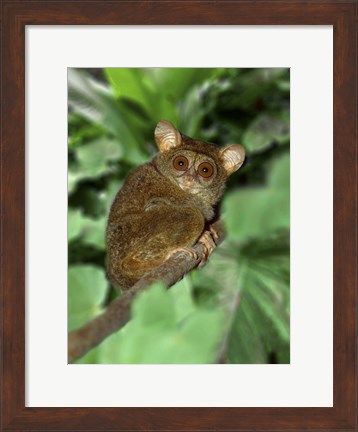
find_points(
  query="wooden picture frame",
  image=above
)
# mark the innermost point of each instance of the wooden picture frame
(342, 15)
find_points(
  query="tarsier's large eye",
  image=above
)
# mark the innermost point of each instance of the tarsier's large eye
(205, 169)
(180, 163)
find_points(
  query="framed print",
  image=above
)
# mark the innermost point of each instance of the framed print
(185, 97)
(57, 53)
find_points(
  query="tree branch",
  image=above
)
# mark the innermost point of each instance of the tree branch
(118, 312)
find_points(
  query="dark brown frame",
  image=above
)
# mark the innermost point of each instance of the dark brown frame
(15, 16)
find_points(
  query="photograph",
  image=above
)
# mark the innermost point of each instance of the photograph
(179, 215)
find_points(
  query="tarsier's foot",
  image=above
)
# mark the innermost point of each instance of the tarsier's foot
(207, 239)
(187, 250)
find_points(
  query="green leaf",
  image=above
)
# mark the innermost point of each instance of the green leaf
(93, 157)
(176, 82)
(157, 335)
(73, 178)
(110, 193)
(191, 112)
(245, 343)
(261, 328)
(166, 109)
(149, 92)
(80, 130)
(91, 100)
(91, 200)
(259, 270)
(89, 231)
(218, 282)
(208, 341)
(245, 93)
(87, 287)
(182, 299)
(96, 103)
(94, 160)
(279, 176)
(131, 83)
(256, 211)
(74, 224)
(265, 130)
(94, 232)
(283, 84)
(154, 307)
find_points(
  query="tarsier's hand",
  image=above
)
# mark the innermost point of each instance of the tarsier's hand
(209, 239)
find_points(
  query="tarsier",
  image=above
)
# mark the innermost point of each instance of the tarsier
(168, 205)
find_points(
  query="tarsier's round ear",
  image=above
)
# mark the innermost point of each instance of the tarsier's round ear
(233, 157)
(166, 136)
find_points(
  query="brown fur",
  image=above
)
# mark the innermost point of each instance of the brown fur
(152, 215)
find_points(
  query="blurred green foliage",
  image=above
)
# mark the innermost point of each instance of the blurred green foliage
(236, 309)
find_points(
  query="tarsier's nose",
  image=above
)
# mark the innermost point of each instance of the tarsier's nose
(189, 179)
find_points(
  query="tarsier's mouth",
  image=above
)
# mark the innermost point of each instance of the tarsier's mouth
(187, 181)
(189, 187)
